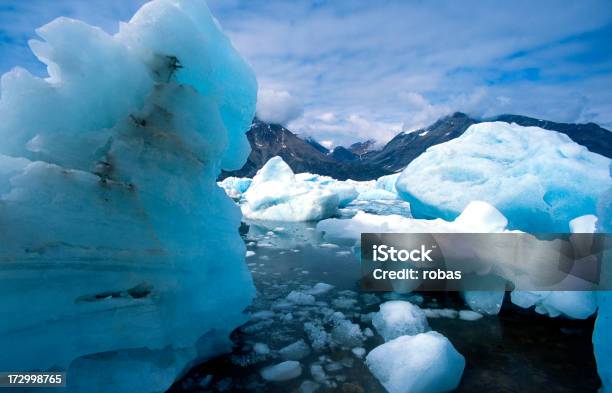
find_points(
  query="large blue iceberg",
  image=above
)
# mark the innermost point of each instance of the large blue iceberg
(538, 179)
(120, 258)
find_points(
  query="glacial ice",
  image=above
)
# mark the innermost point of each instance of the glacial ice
(476, 217)
(387, 183)
(573, 304)
(425, 363)
(275, 194)
(583, 224)
(121, 241)
(234, 187)
(376, 194)
(399, 318)
(538, 179)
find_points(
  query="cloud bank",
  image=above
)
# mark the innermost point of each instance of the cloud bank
(366, 69)
(277, 106)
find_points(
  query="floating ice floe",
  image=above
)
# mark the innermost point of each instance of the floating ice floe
(469, 315)
(399, 318)
(295, 351)
(424, 363)
(573, 304)
(539, 179)
(485, 302)
(108, 179)
(282, 372)
(476, 217)
(275, 194)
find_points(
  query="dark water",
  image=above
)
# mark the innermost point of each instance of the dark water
(515, 351)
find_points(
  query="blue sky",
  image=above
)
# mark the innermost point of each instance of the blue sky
(348, 70)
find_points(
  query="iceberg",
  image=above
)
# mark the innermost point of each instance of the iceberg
(120, 240)
(276, 194)
(424, 363)
(538, 179)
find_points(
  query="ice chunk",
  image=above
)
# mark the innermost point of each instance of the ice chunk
(234, 187)
(583, 224)
(425, 363)
(320, 288)
(485, 302)
(528, 173)
(301, 298)
(347, 334)
(469, 315)
(261, 349)
(282, 371)
(318, 373)
(346, 193)
(376, 194)
(359, 352)
(387, 183)
(574, 304)
(296, 351)
(318, 337)
(275, 194)
(398, 318)
(110, 191)
(441, 313)
(309, 387)
(477, 217)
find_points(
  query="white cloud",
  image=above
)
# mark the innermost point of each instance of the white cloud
(278, 107)
(421, 113)
(327, 144)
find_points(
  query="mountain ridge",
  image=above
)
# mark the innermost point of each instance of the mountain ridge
(359, 162)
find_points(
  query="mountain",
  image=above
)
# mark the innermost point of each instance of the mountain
(361, 148)
(269, 140)
(359, 162)
(312, 142)
(407, 146)
(341, 153)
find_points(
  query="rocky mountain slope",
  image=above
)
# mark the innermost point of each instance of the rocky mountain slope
(360, 162)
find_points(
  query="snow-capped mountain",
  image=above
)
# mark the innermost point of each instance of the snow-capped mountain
(360, 162)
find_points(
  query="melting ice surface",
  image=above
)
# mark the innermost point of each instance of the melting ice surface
(120, 241)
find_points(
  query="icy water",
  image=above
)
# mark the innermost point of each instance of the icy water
(515, 351)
